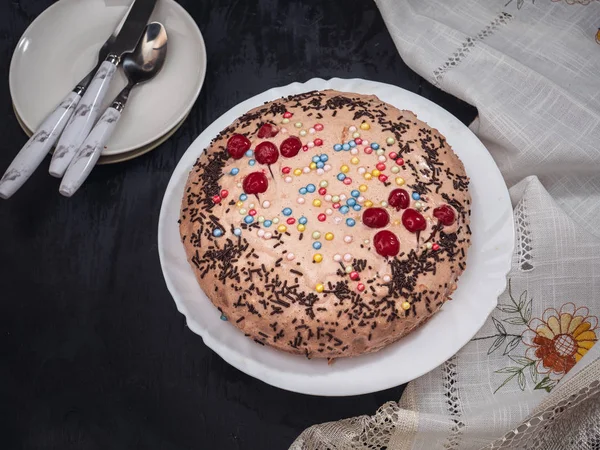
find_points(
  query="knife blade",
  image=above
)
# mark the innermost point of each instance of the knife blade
(82, 121)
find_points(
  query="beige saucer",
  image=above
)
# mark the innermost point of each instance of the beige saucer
(112, 159)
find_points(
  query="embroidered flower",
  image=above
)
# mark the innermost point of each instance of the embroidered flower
(560, 338)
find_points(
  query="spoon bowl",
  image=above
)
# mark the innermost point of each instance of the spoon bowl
(148, 58)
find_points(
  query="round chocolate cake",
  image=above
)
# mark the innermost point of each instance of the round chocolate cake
(327, 224)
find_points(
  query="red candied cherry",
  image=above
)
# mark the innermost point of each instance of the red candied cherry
(255, 183)
(375, 217)
(237, 145)
(386, 243)
(267, 130)
(399, 199)
(445, 214)
(266, 153)
(413, 221)
(290, 147)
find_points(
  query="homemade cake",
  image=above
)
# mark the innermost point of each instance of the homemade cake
(327, 224)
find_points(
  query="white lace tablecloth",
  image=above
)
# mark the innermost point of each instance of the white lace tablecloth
(531, 376)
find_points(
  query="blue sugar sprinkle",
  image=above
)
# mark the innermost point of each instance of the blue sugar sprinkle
(375, 146)
(316, 245)
(252, 162)
(350, 222)
(243, 197)
(344, 209)
(311, 188)
(357, 207)
(346, 147)
(320, 165)
(237, 231)
(351, 202)
(302, 220)
(234, 171)
(416, 196)
(355, 193)
(249, 153)
(341, 176)
(302, 191)
(267, 223)
(287, 211)
(217, 232)
(337, 147)
(248, 219)
(324, 157)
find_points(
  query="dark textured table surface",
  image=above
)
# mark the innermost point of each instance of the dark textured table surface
(94, 352)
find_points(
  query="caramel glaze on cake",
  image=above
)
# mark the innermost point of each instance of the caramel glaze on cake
(314, 279)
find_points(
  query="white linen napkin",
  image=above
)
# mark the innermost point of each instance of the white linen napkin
(531, 376)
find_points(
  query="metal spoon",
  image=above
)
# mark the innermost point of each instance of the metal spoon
(139, 66)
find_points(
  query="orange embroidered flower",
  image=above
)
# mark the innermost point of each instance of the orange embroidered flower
(560, 338)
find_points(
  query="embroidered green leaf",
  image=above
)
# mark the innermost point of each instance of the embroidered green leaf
(509, 309)
(515, 321)
(522, 299)
(524, 361)
(533, 372)
(527, 313)
(512, 345)
(514, 369)
(497, 343)
(499, 326)
(521, 380)
(547, 384)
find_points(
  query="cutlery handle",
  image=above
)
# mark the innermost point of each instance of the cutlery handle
(83, 119)
(91, 149)
(38, 145)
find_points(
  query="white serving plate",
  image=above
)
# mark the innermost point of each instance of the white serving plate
(488, 262)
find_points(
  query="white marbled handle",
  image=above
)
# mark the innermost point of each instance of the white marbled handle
(82, 120)
(38, 146)
(87, 156)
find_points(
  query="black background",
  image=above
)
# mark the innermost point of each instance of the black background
(94, 353)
